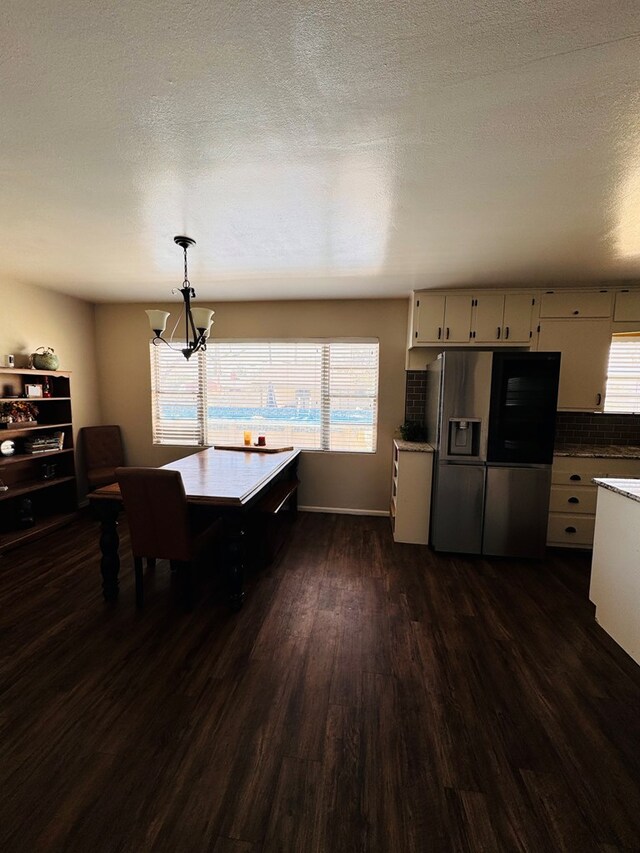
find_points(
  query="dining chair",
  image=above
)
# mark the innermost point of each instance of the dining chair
(102, 452)
(161, 525)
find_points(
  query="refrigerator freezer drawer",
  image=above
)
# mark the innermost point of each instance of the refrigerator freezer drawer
(516, 511)
(457, 510)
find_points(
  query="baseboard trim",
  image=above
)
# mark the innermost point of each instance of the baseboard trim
(343, 510)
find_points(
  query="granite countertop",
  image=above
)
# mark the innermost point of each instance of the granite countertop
(625, 486)
(413, 446)
(598, 451)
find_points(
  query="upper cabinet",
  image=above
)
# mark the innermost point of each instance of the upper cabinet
(568, 303)
(627, 306)
(473, 318)
(441, 319)
(584, 345)
(503, 318)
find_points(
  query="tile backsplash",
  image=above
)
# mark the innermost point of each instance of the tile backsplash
(586, 428)
(571, 427)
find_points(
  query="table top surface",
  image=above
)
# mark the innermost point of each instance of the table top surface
(221, 477)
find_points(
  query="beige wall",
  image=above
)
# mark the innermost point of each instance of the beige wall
(32, 317)
(329, 480)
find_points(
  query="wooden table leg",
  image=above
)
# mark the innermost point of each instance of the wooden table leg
(234, 546)
(109, 541)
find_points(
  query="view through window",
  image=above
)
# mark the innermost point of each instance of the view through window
(316, 395)
(623, 374)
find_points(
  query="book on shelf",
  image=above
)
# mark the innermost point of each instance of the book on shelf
(44, 443)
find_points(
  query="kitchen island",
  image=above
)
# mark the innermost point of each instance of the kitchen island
(615, 568)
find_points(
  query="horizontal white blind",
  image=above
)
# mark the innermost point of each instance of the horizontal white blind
(623, 375)
(176, 397)
(316, 395)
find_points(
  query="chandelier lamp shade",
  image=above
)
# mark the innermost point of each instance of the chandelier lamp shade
(197, 321)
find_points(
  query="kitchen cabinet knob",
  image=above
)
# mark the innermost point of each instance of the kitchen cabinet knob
(439, 332)
(575, 477)
(598, 399)
(576, 312)
(447, 333)
(506, 333)
(569, 530)
(573, 500)
(498, 334)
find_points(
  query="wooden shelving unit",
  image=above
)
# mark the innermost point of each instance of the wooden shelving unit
(47, 479)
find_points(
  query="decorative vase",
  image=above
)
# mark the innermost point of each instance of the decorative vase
(45, 360)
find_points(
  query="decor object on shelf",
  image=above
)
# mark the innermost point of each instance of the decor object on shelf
(25, 513)
(7, 448)
(198, 321)
(45, 360)
(13, 412)
(34, 390)
(9, 360)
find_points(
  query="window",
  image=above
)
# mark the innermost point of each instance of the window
(623, 374)
(316, 395)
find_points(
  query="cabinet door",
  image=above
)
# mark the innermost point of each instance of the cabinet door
(487, 318)
(627, 306)
(457, 319)
(518, 317)
(584, 345)
(428, 319)
(575, 304)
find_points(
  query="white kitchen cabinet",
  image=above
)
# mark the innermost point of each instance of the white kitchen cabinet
(572, 505)
(441, 319)
(428, 318)
(572, 303)
(627, 308)
(584, 345)
(411, 492)
(615, 580)
(503, 318)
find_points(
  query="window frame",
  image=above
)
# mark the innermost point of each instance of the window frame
(201, 362)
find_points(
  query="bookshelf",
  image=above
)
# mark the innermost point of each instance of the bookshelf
(40, 475)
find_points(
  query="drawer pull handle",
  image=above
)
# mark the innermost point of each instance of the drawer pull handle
(575, 477)
(569, 530)
(573, 500)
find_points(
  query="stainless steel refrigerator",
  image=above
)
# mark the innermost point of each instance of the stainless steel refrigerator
(491, 418)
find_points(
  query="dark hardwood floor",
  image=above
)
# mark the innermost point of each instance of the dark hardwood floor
(369, 697)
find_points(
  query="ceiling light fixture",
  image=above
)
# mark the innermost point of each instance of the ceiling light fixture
(198, 321)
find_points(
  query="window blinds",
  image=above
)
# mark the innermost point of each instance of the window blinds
(316, 395)
(623, 375)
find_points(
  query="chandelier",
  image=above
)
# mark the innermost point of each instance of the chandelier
(198, 321)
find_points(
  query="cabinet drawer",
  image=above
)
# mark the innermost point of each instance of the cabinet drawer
(565, 529)
(574, 500)
(576, 470)
(573, 304)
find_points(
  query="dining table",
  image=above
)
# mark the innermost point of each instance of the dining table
(226, 482)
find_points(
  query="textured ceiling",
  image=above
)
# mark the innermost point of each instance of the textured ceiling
(336, 148)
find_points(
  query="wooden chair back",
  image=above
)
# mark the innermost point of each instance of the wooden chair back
(156, 507)
(103, 452)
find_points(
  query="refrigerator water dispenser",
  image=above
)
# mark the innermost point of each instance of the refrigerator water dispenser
(464, 436)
